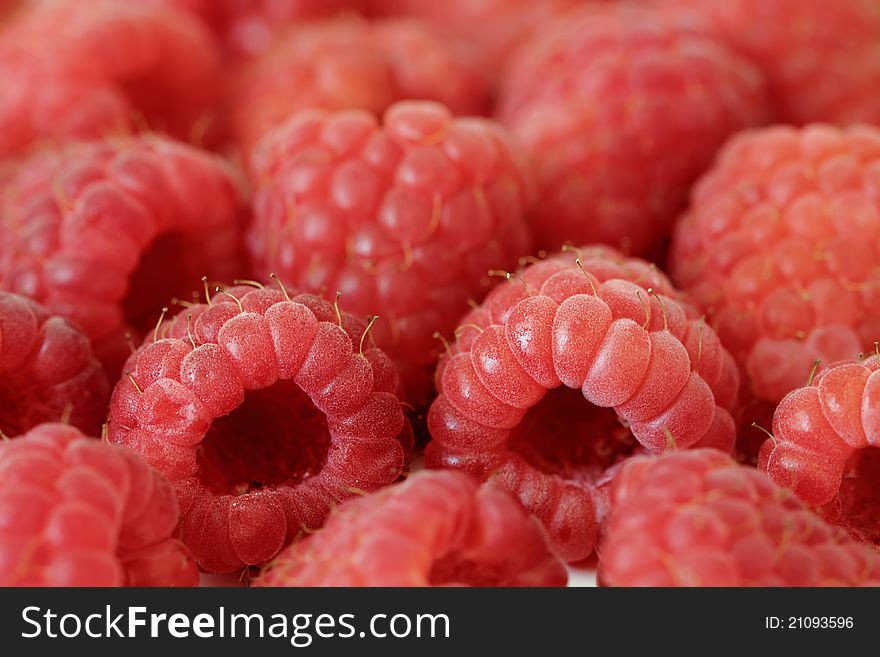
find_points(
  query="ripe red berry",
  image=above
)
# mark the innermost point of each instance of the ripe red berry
(47, 370)
(495, 27)
(821, 59)
(780, 249)
(353, 64)
(75, 70)
(78, 512)
(621, 108)
(105, 233)
(826, 446)
(249, 27)
(639, 370)
(404, 219)
(696, 518)
(436, 529)
(263, 411)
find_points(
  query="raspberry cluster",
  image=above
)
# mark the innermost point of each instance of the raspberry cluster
(436, 529)
(640, 371)
(48, 372)
(349, 63)
(404, 219)
(636, 105)
(109, 67)
(473, 377)
(105, 233)
(264, 410)
(697, 518)
(77, 512)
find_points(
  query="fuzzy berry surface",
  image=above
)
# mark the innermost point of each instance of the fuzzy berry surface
(264, 409)
(826, 446)
(47, 370)
(350, 63)
(405, 219)
(696, 518)
(578, 362)
(821, 59)
(75, 70)
(779, 248)
(621, 108)
(75, 511)
(105, 233)
(435, 529)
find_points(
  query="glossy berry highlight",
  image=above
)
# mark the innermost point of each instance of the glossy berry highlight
(641, 372)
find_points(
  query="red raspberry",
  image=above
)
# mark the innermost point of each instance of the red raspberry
(104, 233)
(249, 27)
(263, 412)
(353, 64)
(639, 369)
(404, 219)
(821, 59)
(696, 518)
(826, 446)
(495, 27)
(436, 529)
(47, 370)
(86, 70)
(780, 248)
(621, 109)
(78, 512)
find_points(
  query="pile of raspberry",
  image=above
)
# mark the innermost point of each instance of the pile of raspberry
(408, 293)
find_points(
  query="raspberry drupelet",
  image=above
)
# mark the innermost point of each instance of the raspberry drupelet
(105, 233)
(264, 410)
(621, 108)
(74, 70)
(353, 64)
(640, 372)
(77, 512)
(47, 371)
(780, 249)
(405, 219)
(696, 518)
(435, 529)
(826, 446)
(821, 59)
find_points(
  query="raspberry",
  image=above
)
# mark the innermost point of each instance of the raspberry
(826, 446)
(78, 512)
(86, 70)
(696, 518)
(495, 27)
(780, 248)
(436, 529)
(640, 373)
(249, 27)
(263, 411)
(47, 370)
(621, 109)
(353, 64)
(404, 219)
(104, 233)
(821, 59)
